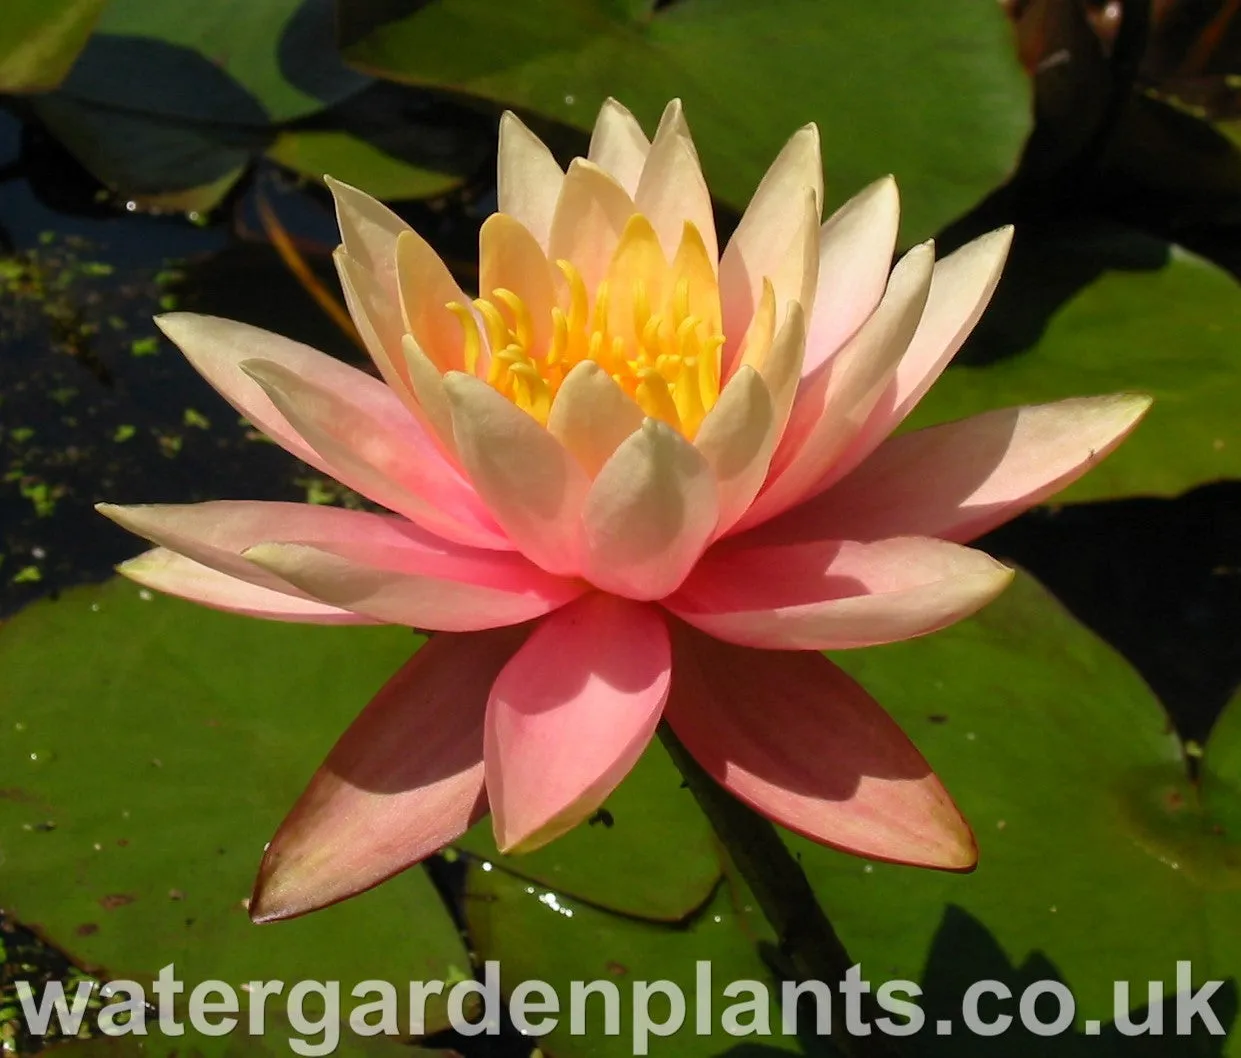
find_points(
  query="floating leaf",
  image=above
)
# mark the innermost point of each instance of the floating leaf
(40, 39)
(1105, 309)
(649, 853)
(536, 935)
(931, 92)
(149, 749)
(1094, 854)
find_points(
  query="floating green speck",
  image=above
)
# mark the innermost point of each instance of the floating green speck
(144, 346)
(41, 495)
(28, 575)
(21, 434)
(196, 419)
(124, 432)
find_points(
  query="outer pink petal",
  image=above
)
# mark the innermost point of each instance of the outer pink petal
(959, 480)
(403, 781)
(649, 514)
(856, 244)
(215, 534)
(217, 349)
(793, 736)
(392, 460)
(960, 290)
(571, 714)
(833, 404)
(835, 594)
(166, 571)
(451, 590)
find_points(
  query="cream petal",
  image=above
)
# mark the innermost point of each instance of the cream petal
(591, 214)
(618, 145)
(649, 514)
(773, 222)
(673, 190)
(533, 486)
(591, 416)
(736, 439)
(528, 179)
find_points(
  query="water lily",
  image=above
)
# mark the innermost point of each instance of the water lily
(635, 479)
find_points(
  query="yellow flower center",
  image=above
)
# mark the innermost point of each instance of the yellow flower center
(654, 327)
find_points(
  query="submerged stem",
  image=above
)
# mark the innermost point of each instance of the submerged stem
(805, 935)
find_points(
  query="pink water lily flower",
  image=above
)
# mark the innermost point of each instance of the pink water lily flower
(634, 479)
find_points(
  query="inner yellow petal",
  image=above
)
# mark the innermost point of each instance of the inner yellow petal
(654, 326)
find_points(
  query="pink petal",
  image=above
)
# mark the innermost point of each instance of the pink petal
(961, 479)
(832, 405)
(216, 348)
(794, 737)
(649, 514)
(835, 594)
(531, 483)
(856, 244)
(390, 460)
(571, 714)
(166, 571)
(618, 145)
(403, 781)
(960, 290)
(529, 179)
(453, 589)
(215, 534)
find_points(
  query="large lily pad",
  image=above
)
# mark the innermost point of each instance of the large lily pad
(168, 103)
(39, 40)
(621, 860)
(931, 92)
(149, 748)
(1103, 309)
(1096, 859)
(537, 935)
(1221, 768)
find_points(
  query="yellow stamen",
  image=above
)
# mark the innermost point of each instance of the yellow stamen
(653, 326)
(473, 340)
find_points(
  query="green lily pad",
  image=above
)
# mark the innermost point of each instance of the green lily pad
(621, 860)
(1103, 309)
(1221, 768)
(931, 92)
(537, 935)
(169, 103)
(148, 750)
(354, 160)
(40, 39)
(1095, 855)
